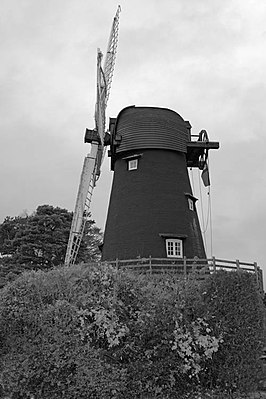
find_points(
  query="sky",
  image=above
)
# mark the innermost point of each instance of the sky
(205, 59)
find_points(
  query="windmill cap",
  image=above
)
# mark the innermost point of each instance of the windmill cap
(151, 128)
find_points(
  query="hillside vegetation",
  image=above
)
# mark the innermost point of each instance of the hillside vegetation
(95, 332)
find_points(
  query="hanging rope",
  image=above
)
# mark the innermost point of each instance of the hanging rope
(205, 227)
(210, 211)
(211, 238)
(202, 212)
(208, 222)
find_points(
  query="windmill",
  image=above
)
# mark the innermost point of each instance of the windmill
(93, 161)
(152, 210)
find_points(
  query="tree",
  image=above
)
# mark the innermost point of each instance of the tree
(39, 240)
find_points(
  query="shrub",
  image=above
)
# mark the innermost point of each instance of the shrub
(95, 332)
(42, 349)
(234, 306)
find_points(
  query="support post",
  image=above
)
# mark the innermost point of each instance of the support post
(185, 266)
(256, 273)
(214, 264)
(237, 264)
(260, 276)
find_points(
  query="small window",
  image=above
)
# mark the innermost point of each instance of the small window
(174, 248)
(132, 164)
(191, 204)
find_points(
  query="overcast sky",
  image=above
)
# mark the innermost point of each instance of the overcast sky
(205, 59)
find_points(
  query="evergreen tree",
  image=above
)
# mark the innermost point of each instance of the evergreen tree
(39, 241)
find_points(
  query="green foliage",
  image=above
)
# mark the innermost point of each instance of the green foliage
(39, 241)
(235, 307)
(43, 353)
(95, 332)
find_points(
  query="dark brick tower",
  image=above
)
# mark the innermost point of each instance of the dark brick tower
(152, 210)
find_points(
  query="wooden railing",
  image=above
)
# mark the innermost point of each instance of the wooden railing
(199, 267)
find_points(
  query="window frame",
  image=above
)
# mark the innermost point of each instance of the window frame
(191, 197)
(191, 204)
(174, 252)
(132, 164)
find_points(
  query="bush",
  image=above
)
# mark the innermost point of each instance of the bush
(235, 307)
(42, 349)
(95, 332)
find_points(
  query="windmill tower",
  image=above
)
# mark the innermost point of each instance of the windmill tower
(152, 210)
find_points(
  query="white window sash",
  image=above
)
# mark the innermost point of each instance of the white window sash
(132, 164)
(174, 248)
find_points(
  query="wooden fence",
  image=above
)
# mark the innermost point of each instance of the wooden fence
(199, 267)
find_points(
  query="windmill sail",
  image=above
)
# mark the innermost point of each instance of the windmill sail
(93, 161)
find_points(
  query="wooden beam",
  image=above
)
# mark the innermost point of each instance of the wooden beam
(204, 144)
